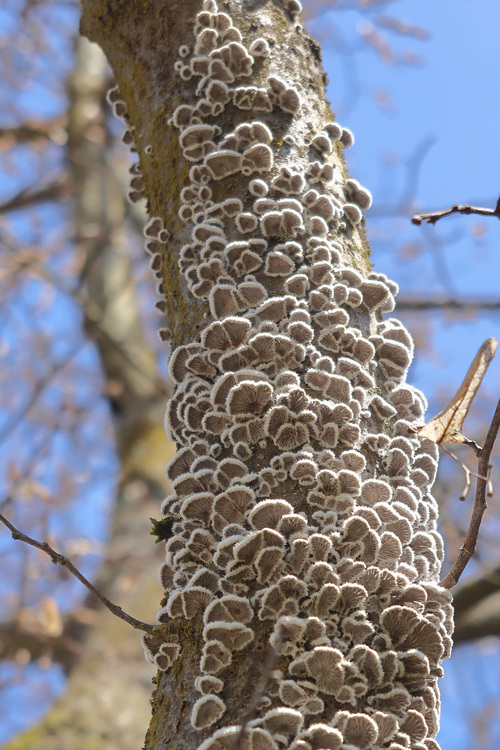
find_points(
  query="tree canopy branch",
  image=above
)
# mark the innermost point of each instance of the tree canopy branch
(25, 198)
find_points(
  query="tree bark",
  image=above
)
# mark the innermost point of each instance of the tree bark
(302, 607)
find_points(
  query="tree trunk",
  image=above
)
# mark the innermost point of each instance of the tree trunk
(302, 606)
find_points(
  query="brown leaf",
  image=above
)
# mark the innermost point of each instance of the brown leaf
(446, 426)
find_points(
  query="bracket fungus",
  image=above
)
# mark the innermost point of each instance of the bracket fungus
(301, 504)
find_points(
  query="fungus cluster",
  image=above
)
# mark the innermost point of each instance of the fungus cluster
(300, 496)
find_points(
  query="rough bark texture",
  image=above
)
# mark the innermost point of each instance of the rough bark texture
(304, 534)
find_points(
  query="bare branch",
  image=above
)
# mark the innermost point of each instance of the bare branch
(476, 607)
(63, 648)
(31, 130)
(483, 470)
(447, 303)
(24, 198)
(475, 590)
(476, 625)
(401, 27)
(432, 218)
(57, 558)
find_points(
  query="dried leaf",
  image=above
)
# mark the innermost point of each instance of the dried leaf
(446, 426)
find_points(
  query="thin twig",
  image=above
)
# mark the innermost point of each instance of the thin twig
(57, 558)
(482, 490)
(432, 218)
(468, 472)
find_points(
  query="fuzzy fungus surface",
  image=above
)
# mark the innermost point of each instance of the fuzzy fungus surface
(304, 527)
